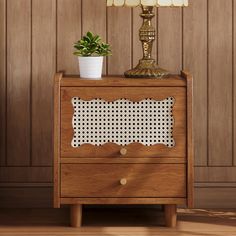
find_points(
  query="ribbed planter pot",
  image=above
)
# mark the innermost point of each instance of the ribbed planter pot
(90, 67)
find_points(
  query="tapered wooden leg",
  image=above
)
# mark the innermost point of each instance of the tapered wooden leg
(170, 215)
(76, 215)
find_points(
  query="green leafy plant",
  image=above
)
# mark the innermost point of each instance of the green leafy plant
(91, 45)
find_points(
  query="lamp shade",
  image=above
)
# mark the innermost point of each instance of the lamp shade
(157, 3)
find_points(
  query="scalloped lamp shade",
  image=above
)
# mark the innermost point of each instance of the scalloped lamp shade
(157, 3)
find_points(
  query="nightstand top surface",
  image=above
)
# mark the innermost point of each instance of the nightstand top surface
(119, 81)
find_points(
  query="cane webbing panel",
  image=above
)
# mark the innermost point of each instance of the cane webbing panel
(98, 122)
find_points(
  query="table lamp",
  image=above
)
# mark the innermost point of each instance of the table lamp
(147, 67)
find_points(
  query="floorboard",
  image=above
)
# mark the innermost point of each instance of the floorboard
(116, 222)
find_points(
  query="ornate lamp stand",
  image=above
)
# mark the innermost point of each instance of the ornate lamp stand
(147, 67)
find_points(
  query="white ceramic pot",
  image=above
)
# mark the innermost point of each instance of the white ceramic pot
(90, 67)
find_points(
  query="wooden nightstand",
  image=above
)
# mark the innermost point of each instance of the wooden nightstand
(123, 141)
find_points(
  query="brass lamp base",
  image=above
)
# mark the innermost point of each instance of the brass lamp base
(146, 69)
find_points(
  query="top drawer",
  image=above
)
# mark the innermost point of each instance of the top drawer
(123, 121)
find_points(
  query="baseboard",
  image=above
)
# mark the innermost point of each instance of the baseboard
(26, 197)
(215, 197)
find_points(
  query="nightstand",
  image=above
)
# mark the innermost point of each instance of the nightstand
(123, 141)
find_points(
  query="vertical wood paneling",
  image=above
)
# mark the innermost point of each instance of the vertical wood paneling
(2, 82)
(195, 60)
(69, 31)
(98, 12)
(137, 48)
(215, 174)
(119, 36)
(43, 49)
(25, 174)
(220, 83)
(18, 81)
(234, 78)
(170, 39)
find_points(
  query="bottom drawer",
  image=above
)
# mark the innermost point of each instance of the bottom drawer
(123, 180)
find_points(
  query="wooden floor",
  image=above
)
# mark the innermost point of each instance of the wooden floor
(117, 222)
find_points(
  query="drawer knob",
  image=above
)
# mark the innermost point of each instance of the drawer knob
(123, 151)
(123, 182)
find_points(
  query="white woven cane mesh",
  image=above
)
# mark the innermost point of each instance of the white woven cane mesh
(98, 122)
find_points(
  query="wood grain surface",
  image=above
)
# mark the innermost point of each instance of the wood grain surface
(56, 139)
(68, 32)
(117, 222)
(234, 84)
(195, 59)
(220, 70)
(98, 26)
(18, 82)
(43, 49)
(103, 180)
(119, 31)
(3, 82)
(170, 39)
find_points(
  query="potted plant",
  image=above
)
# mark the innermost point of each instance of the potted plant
(90, 51)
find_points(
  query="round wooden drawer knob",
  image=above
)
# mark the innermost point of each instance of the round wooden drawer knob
(123, 182)
(123, 151)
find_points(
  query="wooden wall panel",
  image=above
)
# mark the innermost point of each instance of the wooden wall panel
(25, 174)
(136, 44)
(37, 40)
(43, 49)
(68, 32)
(195, 60)
(25, 197)
(18, 82)
(98, 12)
(234, 79)
(220, 83)
(170, 39)
(119, 36)
(3, 82)
(214, 197)
(215, 174)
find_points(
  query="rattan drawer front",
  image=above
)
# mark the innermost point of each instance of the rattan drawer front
(147, 122)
